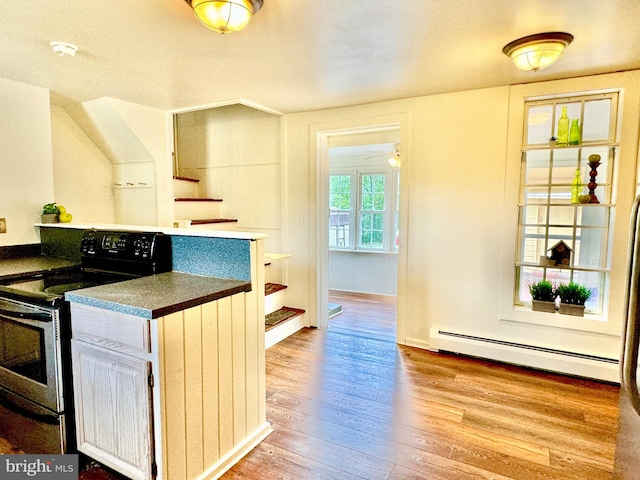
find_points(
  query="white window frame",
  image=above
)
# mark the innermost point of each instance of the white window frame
(390, 211)
(610, 146)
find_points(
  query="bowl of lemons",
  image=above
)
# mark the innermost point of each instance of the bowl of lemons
(65, 217)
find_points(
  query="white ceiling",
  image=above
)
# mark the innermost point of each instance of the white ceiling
(300, 55)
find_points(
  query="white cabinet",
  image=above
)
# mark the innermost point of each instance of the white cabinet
(176, 397)
(113, 409)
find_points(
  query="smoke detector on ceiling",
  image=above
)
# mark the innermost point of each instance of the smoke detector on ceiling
(64, 48)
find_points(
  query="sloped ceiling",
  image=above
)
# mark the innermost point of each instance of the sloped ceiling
(101, 122)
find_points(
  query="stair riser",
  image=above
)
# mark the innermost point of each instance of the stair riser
(282, 331)
(196, 210)
(274, 302)
(185, 189)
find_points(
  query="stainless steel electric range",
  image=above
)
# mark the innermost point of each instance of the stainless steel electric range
(36, 398)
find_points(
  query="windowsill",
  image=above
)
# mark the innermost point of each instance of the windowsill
(351, 250)
(588, 323)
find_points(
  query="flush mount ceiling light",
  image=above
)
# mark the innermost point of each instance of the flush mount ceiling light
(63, 48)
(538, 51)
(225, 16)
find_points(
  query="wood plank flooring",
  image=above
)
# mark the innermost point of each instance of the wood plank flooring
(348, 403)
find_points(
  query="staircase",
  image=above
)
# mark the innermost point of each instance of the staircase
(280, 320)
(193, 211)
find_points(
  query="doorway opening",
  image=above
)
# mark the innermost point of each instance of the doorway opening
(359, 187)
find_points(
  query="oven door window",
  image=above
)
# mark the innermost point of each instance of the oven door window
(30, 355)
(23, 350)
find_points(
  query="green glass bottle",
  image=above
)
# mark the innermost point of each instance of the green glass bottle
(563, 128)
(574, 133)
(576, 186)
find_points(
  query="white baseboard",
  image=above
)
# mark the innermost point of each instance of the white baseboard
(414, 342)
(235, 455)
(565, 362)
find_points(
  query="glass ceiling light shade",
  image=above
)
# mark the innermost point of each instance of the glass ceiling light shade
(538, 51)
(225, 16)
(395, 161)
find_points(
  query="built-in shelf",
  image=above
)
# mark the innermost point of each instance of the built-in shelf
(206, 221)
(589, 205)
(197, 199)
(187, 179)
(124, 186)
(270, 257)
(547, 146)
(562, 267)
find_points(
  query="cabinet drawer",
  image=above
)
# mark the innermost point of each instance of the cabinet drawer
(109, 329)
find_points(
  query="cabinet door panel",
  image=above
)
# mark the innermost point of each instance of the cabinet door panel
(113, 414)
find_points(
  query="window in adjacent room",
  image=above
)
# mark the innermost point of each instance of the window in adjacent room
(363, 210)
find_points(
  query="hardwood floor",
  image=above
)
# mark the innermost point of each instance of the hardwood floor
(348, 403)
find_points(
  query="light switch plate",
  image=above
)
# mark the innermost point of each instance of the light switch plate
(3, 225)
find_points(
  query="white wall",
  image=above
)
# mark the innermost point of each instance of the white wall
(138, 142)
(47, 156)
(462, 177)
(26, 182)
(363, 272)
(154, 130)
(82, 175)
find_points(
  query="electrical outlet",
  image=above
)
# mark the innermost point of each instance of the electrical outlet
(3, 225)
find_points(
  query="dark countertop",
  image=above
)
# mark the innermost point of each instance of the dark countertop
(158, 295)
(17, 267)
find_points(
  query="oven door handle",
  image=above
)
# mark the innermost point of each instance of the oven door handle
(9, 310)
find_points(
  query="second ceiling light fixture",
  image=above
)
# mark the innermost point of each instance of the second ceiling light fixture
(538, 51)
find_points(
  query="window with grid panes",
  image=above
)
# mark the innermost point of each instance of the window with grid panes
(340, 210)
(546, 214)
(372, 211)
(364, 210)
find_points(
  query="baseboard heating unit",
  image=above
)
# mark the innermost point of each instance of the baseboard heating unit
(553, 360)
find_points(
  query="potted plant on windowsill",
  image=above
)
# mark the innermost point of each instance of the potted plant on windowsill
(50, 213)
(543, 296)
(572, 298)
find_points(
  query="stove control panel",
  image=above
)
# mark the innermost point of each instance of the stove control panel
(136, 251)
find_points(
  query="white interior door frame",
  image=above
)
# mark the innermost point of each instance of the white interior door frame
(322, 135)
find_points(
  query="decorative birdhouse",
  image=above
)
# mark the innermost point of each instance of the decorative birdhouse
(561, 254)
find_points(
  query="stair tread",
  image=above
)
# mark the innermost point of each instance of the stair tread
(282, 315)
(186, 179)
(204, 221)
(270, 288)
(196, 199)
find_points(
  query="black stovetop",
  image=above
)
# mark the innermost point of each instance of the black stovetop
(48, 288)
(107, 256)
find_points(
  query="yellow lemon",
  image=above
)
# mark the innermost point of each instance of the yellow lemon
(61, 209)
(65, 217)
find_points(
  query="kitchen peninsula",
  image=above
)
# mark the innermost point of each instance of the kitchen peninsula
(168, 369)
